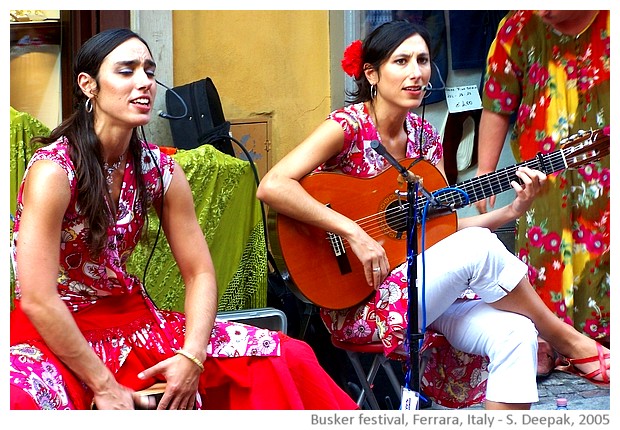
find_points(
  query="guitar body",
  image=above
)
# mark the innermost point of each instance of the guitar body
(338, 282)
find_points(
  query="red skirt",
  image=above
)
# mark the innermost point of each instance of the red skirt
(293, 380)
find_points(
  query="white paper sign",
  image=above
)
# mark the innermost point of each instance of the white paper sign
(461, 99)
(409, 399)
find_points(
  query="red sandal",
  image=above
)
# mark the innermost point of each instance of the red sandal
(603, 369)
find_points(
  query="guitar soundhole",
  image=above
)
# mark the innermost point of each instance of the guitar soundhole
(396, 219)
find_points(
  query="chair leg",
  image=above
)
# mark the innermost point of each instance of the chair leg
(387, 367)
(305, 322)
(365, 380)
(424, 359)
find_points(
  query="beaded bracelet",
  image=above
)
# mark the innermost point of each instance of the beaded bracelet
(191, 357)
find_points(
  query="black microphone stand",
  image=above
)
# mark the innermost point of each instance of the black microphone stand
(413, 182)
(412, 276)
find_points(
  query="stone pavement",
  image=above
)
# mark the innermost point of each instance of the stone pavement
(581, 394)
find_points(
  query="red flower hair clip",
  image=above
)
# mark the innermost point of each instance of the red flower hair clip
(352, 59)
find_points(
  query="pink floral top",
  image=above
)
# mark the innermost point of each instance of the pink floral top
(357, 157)
(83, 281)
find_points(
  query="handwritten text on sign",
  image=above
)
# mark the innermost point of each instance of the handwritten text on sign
(461, 99)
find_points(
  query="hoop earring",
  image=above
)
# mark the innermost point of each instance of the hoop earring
(427, 90)
(373, 91)
(88, 105)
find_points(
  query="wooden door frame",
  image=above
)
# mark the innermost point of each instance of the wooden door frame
(77, 26)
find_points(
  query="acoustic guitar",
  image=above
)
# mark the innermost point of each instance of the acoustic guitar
(321, 268)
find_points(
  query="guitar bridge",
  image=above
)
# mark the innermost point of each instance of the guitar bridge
(340, 253)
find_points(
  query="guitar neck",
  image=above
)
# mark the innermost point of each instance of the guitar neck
(490, 184)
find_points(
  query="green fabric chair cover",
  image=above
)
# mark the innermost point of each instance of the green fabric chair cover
(224, 192)
(228, 211)
(23, 128)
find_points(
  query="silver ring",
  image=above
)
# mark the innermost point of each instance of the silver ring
(376, 269)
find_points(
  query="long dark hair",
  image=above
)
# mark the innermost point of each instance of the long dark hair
(84, 145)
(379, 45)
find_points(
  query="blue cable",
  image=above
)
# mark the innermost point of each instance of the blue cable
(410, 235)
(423, 243)
(423, 256)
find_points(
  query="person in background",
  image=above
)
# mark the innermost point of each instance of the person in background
(392, 67)
(549, 70)
(83, 330)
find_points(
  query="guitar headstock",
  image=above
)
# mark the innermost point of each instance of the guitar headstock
(585, 146)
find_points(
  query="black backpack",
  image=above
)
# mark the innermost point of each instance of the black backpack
(204, 122)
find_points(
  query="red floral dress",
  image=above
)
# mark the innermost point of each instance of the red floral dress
(452, 378)
(127, 331)
(556, 85)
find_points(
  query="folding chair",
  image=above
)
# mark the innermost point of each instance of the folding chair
(380, 361)
(366, 380)
(269, 318)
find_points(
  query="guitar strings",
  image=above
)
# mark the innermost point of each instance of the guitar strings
(374, 225)
(557, 160)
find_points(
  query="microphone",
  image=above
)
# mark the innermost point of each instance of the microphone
(167, 115)
(429, 88)
(409, 176)
(380, 149)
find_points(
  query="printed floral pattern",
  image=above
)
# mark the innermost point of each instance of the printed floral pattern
(557, 85)
(83, 281)
(357, 158)
(39, 377)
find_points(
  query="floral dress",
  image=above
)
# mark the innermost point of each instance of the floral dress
(447, 378)
(111, 306)
(555, 85)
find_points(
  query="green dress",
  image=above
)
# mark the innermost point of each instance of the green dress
(555, 85)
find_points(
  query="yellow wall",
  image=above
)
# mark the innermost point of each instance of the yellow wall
(262, 62)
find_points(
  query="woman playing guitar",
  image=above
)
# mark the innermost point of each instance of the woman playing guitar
(392, 68)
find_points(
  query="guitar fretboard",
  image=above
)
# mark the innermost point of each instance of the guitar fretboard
(490, 184)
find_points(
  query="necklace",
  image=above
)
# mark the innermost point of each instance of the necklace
(109, 171)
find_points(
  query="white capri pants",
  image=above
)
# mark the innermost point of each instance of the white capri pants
(475, 258)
